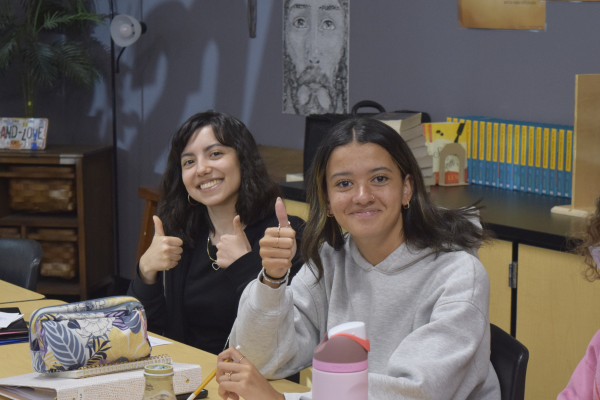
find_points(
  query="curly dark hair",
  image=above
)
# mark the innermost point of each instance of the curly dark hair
(257, 192)
(591, 237)
(425, 225)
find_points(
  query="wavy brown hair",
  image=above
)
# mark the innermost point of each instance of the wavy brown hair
(257, 192)
(425, 225)
(591, 237)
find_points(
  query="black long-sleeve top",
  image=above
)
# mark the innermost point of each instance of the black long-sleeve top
(198, 305)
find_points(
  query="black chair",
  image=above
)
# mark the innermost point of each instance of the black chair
(509, 358)
(20, 261)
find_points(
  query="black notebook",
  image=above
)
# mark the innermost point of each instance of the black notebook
(15, 332)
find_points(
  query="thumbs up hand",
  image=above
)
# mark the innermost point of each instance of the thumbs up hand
(278, 246)
(232, 247)
(164, 253)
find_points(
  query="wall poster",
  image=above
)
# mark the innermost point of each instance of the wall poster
(502, 14)
(315, 56)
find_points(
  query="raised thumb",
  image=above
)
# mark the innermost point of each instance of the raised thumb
(281, 213)
(158, 226)
(237, 225)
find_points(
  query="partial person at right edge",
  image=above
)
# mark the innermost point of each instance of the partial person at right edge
(585, 381)
(216, 202)
(406, 268)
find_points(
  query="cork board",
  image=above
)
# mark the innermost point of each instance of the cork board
(586, 166)
(502, 14)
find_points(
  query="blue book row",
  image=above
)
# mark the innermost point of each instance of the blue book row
(516, 155)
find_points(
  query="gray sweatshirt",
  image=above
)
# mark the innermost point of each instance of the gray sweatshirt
(427, 320)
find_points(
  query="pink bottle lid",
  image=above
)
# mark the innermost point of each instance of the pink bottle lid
(342, 353)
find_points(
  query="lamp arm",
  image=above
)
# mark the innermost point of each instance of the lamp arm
(118, 58)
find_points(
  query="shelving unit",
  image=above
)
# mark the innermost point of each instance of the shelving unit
(90, 170)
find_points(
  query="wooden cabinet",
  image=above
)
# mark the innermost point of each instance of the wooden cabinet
(88, 170)
(557, 316)
(496, 258)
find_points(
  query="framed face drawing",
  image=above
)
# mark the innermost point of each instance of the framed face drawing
(315, 56)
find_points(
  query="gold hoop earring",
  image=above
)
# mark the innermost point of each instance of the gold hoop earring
(329, 215)
(190, 201)
(407, 206)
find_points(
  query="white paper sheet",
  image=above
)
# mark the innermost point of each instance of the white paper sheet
(8, 318)
(28, 393)
(156, 341)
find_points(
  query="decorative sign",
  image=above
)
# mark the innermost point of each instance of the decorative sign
(315, 56)
(437, 136)
(502, 14)
(23, 133)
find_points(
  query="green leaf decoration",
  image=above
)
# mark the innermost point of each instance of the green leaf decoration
(8, 45)
(28, 42)
(7, 13)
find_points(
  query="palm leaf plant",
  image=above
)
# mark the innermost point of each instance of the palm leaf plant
(42, 38)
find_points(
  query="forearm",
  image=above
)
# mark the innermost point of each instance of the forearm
(282, 326)
(263, 315)
(154, 302)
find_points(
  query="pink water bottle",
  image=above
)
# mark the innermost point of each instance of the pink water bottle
(340, 364)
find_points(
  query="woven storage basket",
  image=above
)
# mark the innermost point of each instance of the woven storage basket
(13, 233)
(42, 195)
(59, 259)
(60, 251)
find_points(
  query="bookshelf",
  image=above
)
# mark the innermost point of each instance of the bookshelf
(88, 225)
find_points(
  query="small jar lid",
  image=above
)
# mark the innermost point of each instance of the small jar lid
(158, 369)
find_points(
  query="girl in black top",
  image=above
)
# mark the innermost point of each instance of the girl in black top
(216, 202)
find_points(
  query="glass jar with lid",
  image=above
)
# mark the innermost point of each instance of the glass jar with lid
(159, 382)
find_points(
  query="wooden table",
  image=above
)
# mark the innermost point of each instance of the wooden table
(10, 293)
(180, 352)
(28, 307)
(20, 362)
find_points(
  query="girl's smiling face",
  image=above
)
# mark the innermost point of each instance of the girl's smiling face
(366, 191)
(210, 170)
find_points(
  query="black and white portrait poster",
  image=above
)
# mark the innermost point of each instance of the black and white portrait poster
(315, 56)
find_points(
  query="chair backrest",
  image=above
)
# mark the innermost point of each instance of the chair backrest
(509, 358)
(20, 261)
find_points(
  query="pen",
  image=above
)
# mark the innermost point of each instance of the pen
(208, 379)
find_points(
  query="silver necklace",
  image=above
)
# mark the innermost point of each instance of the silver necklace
(214, 262)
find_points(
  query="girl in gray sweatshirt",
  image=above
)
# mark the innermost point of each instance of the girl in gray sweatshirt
(377, 251)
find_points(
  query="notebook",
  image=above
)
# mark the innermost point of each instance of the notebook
(128, 385)
(87, 372)
(16, 332)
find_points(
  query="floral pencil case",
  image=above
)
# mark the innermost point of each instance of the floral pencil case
(88, 333)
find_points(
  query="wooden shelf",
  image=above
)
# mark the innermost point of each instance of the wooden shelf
(52, 238)
(88, 229)
(50, 285)
(62, 220)
(36, 175)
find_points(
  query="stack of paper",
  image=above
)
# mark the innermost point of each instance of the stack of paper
(119, 386)
(12, 326)
(409, 126)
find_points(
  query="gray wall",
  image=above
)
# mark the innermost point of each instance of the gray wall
(403, 54)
